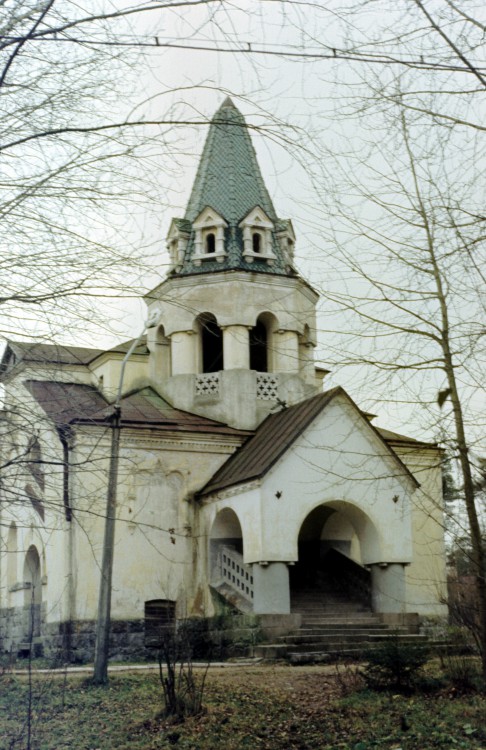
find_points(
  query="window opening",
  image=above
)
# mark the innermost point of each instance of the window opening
(210, 243)
(159, 619)
(35, 462)
(259, 348)
(256, 242)
(36, 502)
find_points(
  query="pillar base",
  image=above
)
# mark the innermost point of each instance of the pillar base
(388, 588)
(271, 592)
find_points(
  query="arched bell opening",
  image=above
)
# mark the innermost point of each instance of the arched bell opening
(211, 344)
(330, 557)
(32, 593)
(261, 343)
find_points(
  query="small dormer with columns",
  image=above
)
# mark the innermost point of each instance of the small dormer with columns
(209, 240)
(177, 237)
(286, 240)
(257, 237)
(237, 323)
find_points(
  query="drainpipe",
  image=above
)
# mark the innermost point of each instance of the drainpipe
(65, 434)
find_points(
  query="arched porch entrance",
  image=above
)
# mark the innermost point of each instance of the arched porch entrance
(32, 594)
(330, 559)
(228, 573)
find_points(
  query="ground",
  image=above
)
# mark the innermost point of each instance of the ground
(268, 707)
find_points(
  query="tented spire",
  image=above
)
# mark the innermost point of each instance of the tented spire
(230, 222)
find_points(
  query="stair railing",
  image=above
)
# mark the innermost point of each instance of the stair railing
(235, 573)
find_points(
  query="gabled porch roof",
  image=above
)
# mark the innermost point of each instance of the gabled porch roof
(275, 435)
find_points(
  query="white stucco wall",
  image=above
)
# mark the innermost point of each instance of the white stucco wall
(48, 535)
(338, 461)
(155, 527)
(236, 298)
(426, 576)
(106, 372)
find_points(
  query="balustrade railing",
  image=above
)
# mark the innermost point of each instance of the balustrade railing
(267, 386)
(235, 573)
(207, 384)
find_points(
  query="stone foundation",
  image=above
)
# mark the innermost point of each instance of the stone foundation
(21, 630)
(75, 641)
(218, 637)
(69, 641)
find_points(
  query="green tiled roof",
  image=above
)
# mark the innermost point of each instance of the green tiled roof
(228, 178)
(229, 181)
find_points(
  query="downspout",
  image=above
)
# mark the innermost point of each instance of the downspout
(65, 435)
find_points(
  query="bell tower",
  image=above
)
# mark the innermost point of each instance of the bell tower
(237, 323)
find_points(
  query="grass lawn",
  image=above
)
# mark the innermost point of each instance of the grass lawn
(267, 707)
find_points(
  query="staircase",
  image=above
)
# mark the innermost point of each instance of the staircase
(333, 628)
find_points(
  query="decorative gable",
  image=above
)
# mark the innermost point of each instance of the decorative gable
(177, 239)
(286, 240)
(209, 229)
(257, 236)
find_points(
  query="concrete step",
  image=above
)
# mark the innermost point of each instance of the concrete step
(356, 654)
(341, 616)
(309, 651)
(333, 636)
(319, 657)
(342, 629)
(331, 608)
(337, 622)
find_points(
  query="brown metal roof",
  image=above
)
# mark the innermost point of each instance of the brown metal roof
(52, 353)
(274, 436)
(74, 403)
(395, 437)
(57, 354)
(66, 402)
(276, 433)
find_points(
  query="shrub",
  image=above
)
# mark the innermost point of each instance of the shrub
(395, 664)
(182, 690)
(349, 679)
(459, 661)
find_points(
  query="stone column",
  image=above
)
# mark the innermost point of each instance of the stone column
(271, 591)
(388, 588)
(285, 345)
(307, 366)
(159, 361)
(236, 348)
(183, 352)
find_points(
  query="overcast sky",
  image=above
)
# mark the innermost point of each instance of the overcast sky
(318, 84)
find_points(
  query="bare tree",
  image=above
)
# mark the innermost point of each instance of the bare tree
(75, 161)
(409, 259)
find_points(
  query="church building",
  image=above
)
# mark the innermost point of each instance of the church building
(241, 479)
